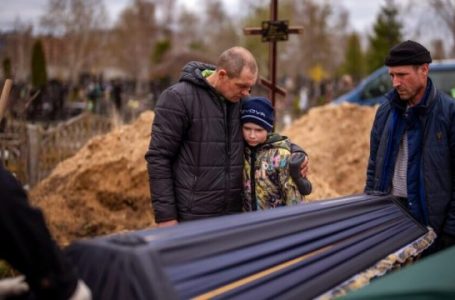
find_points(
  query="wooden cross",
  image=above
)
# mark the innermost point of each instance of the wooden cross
(273, 31)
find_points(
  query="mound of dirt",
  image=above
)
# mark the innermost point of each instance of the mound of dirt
(337, 140)
(104, 187)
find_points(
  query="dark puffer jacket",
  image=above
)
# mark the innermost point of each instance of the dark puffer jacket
(26, 244)
(195, 154)
(436, 164)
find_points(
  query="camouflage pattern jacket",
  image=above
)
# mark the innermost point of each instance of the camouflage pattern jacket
(266, 179)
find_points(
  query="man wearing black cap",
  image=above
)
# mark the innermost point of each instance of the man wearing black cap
(412, 146)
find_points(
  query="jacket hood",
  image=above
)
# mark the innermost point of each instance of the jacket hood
(276, 138)
(192, 72)
(276, 141)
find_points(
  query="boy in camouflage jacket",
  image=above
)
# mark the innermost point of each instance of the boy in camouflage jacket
(267, 167)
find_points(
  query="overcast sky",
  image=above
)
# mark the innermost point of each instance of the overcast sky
(362, 12)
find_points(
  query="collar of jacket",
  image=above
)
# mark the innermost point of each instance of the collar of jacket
(192, 72)
(195, 72)
(422, 108)
(272, 138)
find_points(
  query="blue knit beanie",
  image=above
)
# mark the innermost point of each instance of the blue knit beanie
(257, 110)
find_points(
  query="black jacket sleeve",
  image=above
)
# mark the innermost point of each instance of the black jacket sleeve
(168, 130)
(297, 149)
(302, 183)
(26, 244)
(374, 145)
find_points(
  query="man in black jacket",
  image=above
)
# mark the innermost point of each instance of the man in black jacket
(195, 155)
(27, 245)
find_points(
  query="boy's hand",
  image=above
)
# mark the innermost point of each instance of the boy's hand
(167, 224)
(305, 167)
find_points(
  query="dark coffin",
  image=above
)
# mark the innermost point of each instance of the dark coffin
(294, 252)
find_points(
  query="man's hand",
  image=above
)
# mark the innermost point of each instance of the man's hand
(167, 224)
(82, 292)
(14, 286)
(305, 167)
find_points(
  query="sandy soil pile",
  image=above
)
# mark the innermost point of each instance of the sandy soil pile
(104, 187)
(337, 140)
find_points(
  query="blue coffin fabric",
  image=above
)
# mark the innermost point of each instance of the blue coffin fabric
(294, 252)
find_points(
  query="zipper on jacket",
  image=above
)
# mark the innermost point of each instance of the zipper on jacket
(254, 205)
(228, 155)
(228, 132)
(423, 189)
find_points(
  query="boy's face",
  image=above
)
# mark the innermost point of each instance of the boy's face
(254, 134)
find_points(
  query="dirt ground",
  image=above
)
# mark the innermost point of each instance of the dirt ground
(104, 187)
(337, 140)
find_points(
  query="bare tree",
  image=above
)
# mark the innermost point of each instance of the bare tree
(135, 35)
(315, 54)
(438, 49)
(432, 20)
(18, 48)
(167, 10)
(78, 23)
(188, 34)
(445, 9)
(219, 29)
(323, 28)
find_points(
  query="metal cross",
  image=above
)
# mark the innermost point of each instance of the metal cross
(273, 31)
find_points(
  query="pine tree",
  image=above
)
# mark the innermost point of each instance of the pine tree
(161, 48)
(354, 63)
(39, 74)
(386, 34)
(7, 70)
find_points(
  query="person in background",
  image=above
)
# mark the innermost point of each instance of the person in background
(412, 147)
(26, 244)
(195, 156)
(345, 85)
(267, 181)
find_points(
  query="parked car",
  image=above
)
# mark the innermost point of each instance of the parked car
(372, 89)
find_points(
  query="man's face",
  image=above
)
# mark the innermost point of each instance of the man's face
(235, 88)
(409, 82)
(254, 134)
